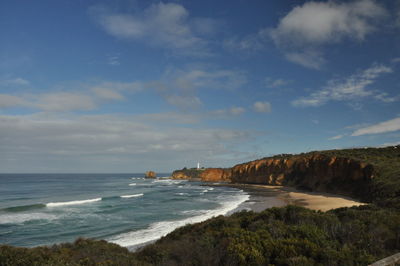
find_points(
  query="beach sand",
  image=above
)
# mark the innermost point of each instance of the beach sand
(264, 196)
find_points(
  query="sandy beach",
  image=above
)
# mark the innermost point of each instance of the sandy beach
(264, 196)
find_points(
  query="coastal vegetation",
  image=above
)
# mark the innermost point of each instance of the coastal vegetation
(278, 236)
(384, 188)
(188, 173)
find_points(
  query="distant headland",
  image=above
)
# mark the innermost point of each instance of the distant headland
(288, 235)
(367, 174)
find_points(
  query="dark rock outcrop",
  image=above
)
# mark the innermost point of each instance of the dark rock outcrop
(191, 173)
(150, 174)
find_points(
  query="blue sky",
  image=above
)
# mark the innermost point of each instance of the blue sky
(129, 86)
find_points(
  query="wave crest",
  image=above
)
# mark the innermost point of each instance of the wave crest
(132, 196)
(135, 239)
(74, 202)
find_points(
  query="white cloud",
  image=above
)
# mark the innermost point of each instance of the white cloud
(113, 60)
(226, 113)
(396, 60)
(206, 26)
(336, 137)
(262, 107)
(310, 58)
(184, 101)
(354, 87)
(237, 110)
(384, 97)
(130, 87)
(249, 43)
(169, 118)
(326, 22)
(7, 100)
(106, 93)
(15, 81)
(167, 25)
(106, 143)
(63, 101)
(383, 127)
(306, 28)
(179, 86)
(54, 102)
(275, 83)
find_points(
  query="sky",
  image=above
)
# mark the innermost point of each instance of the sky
(127, 86)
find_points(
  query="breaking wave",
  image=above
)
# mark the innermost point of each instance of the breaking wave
(74, 202)
(132, 196)
(135, 239)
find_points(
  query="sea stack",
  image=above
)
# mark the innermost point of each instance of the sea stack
(150, 174)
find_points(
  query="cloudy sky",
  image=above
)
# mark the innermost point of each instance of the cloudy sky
(129, 86)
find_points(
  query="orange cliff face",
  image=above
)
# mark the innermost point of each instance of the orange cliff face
(314, 172)
(179, 175)
(216, 175)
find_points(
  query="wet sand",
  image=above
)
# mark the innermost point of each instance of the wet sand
(264, 196)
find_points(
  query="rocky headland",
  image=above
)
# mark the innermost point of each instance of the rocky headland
(315, 172)
(342, 172)
(289, 235)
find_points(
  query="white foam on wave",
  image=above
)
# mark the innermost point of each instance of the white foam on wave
(132, 184)
(132, 196)
(74, 202)
(182, 194)
(162, 181)
(209, 189)
(168, 181)
(20, 218)
(157, 230)
(194, 212)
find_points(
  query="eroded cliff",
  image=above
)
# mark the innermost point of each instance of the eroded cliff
(191, 173)
(216, 175)
(316, 172)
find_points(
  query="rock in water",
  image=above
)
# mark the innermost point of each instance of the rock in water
(150, 174)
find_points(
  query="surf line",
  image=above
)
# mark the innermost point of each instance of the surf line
(74, 202)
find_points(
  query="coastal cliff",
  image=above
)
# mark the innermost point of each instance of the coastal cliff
(185, 173)
(288, 235)
(208, 174)
(311, 171)
(316, 172)
(368, 174)
(216, 175)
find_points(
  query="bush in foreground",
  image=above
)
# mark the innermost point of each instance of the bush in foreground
(278, 236)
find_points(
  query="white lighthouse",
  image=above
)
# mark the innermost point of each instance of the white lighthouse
(198, 165)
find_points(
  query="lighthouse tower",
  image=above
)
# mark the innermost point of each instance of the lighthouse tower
(198, 165)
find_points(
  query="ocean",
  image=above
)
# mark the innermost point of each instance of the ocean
(126, 209)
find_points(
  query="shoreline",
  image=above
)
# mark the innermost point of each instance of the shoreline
(266, 196)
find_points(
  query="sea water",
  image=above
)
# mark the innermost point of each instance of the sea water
(126, 209)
